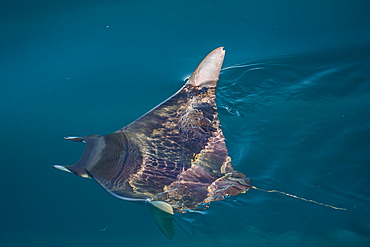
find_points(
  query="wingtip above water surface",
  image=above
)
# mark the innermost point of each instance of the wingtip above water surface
(208, 71)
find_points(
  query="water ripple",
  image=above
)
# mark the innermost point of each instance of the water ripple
(299, 124)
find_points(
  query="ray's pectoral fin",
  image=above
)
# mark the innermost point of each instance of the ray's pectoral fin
(162, 213)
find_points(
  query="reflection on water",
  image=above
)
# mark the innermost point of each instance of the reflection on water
(298, 124)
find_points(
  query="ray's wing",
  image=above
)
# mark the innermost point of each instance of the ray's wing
(173, 134)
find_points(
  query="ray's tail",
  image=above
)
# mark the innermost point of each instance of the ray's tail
(300, 198)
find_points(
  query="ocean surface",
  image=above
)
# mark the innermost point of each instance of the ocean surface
(293, 100)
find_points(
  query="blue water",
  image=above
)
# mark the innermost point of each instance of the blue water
(293, 99)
